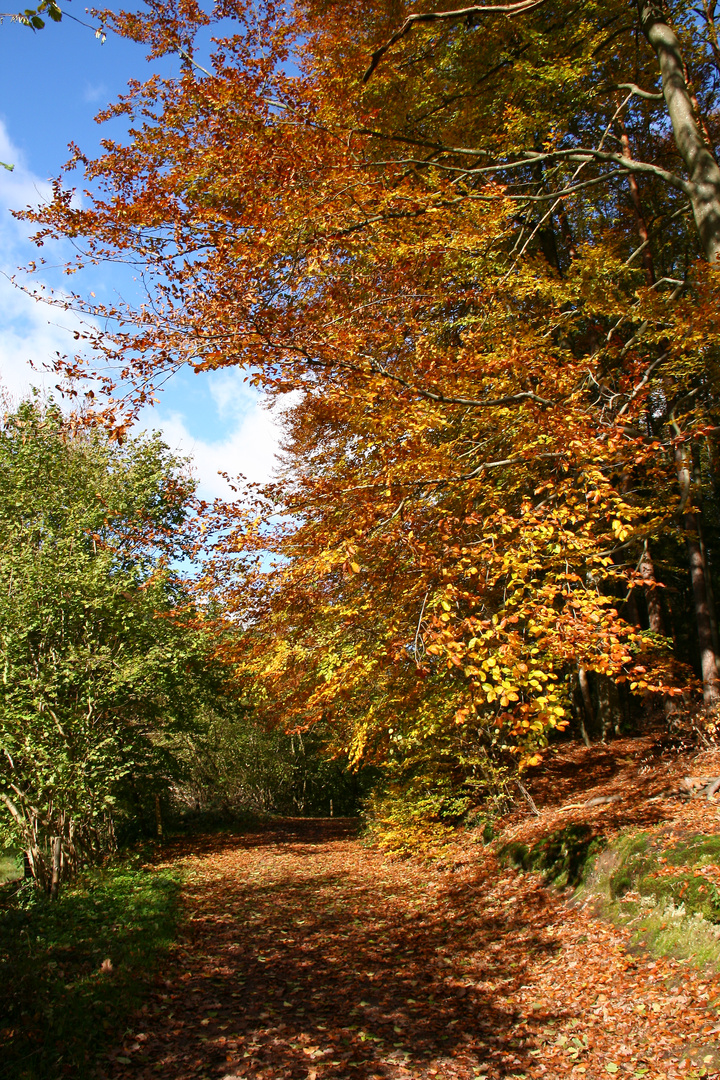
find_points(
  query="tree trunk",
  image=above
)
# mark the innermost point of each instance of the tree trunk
(587, 704)
(56, 866)
(697, 482)
(703, 170)
(640, 222)
(609, 709)
(698, 578)
(708, 663)
(652, 599)
(158, 820)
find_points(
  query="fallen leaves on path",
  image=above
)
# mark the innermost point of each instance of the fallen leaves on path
(305, 955)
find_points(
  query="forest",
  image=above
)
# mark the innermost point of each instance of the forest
(469, 257)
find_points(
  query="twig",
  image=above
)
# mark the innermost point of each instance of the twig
(417, 632)
(527, 796)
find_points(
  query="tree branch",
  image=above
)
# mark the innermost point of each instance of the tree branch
(449, 16)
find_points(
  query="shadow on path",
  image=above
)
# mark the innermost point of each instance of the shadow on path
(306, 956)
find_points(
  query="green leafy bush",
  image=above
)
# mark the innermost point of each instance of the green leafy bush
(97, 680)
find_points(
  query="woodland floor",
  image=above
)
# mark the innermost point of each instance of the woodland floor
(306, 955)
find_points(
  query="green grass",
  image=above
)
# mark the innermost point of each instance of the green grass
(58, 1010)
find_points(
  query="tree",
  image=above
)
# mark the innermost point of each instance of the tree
(486, 277)
(98, 681)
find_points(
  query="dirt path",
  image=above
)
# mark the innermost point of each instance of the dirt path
(307, 956)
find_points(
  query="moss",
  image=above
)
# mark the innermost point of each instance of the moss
(695, 851)
(562, 857)
(694, 892)
(675, 914)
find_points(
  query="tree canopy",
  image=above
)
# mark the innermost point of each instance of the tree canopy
(479, 246)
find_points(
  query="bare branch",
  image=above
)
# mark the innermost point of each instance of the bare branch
(637, 92)
(643, 382)
(449, 16)
(417, 632)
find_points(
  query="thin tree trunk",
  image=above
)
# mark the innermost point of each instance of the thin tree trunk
(708, 661)
(56, 866)
(696, 108)
(697, 480)
(712, 31)
(158, 820)
(654, 607)
(640, 222)
(587, 703)
(632, 612)
(567, 234)
(703, 170)
(698, 578)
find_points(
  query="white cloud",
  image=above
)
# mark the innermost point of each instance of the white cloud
(30, 331)
(95, 92)
(248, 448)
(18, 188)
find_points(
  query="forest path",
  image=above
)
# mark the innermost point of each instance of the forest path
(307, 956)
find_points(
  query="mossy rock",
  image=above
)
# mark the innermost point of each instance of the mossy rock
(639, 859)
(562, 857)
(675, 914)
(695, 851)
(693, 891)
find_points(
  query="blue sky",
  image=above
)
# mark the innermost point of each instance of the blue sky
(52, 83)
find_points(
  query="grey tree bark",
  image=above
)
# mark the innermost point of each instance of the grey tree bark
(703, 170)
(587, 704)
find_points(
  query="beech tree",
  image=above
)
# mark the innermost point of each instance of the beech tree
(479, 244)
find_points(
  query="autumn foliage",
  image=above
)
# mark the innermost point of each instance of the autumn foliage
(478, 286)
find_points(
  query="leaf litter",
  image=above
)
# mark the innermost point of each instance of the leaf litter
(307, 955)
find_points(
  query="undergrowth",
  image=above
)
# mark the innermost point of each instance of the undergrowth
(10, 866)
(420, 806)
(414, 818)
(74, 969)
